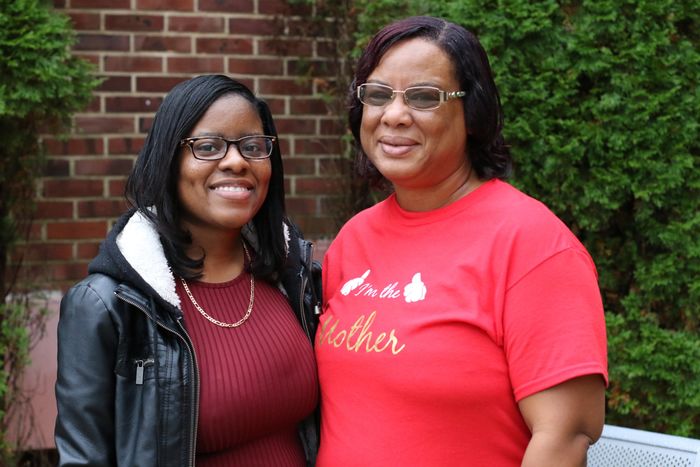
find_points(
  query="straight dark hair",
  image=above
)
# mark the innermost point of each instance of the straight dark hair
(487, 150)
(152, 185)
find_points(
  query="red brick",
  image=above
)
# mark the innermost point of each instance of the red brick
(296, 206)
(102, 42)
(227, 6)
(317, 225)
(158, 83)
(210, 24)
(255, 66)
(315, 186)
(72, 188)
(116, 187)
(103, 166)
(303, 126)
(56, 168)
(304, 146)
(145, 124)
(333, 126)
(87, 250)
(277, 105)
(335, 166)
(54, 210)
(285, 47)
(284, 146)
(85, 21)
(131, 22)
(120, 146)
(133, 63)
(315, 68)
(101, 208)
(308, 106)
(254, 27)
(93, 105)
(72, 271)
(75, 230)
(132, 104)
(195, 65)
(299, 166)
(223, 45)
(116, 83)
(162, 44)
(101, 4)
(75, 146)
(90, 58)
(101, 125)
(286, 86)
(169, 5)
(283, 7)
(326, 49)
(47, 252)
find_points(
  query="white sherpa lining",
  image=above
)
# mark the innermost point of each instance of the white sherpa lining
(140, 245)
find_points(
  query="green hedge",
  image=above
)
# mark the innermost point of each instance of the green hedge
(602, 111)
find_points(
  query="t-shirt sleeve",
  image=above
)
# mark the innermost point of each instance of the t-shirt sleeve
(554, 324)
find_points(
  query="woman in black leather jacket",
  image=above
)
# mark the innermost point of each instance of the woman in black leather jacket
(190, 339)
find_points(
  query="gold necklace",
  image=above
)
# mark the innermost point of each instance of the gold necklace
(216, 321)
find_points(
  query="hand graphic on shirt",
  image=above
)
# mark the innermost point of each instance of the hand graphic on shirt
(352, 284)
(415, 291)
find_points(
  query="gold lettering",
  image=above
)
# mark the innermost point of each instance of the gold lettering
(361, 327)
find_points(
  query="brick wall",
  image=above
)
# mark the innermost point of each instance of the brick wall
(142, 48)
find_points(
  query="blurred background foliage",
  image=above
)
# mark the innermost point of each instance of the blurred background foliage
(41, 85)
(602, 112)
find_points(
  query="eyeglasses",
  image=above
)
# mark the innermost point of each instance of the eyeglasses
(416, 97)
(213, 148)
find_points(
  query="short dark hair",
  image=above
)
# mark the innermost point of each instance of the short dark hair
(487, 151)
(152, 184)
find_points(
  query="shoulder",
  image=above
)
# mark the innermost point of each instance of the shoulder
(95, 292)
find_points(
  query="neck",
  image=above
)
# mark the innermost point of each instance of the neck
(224, 258)
(421, 199)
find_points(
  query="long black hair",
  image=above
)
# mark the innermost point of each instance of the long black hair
(487, 151)
(152, 185)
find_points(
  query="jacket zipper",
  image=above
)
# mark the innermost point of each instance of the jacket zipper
(140, 364)
(195, 390)
(194, 417)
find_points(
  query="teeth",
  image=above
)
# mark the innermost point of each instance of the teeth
(231, 188)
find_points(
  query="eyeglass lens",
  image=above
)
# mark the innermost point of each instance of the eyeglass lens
(252, 147)
(417, 97)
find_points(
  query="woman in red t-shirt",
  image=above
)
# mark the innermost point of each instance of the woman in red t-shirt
(462, 320)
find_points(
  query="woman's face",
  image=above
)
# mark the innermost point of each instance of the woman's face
(416, 149)
(223, 194)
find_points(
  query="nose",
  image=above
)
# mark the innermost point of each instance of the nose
(233, 160)
(397, 112)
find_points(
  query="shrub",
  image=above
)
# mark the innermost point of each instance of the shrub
(41, 86)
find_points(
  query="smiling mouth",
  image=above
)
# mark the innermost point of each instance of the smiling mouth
(231, 188)
(395, 149)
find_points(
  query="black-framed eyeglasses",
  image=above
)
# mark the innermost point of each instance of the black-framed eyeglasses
(213, 148)
(416, 97)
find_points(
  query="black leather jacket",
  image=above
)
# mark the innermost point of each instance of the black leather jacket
(128, 384)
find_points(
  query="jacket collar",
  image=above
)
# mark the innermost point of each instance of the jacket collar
(140, 245)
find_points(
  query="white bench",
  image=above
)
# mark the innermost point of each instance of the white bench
(627, 447)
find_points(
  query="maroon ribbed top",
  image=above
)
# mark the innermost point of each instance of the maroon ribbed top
(258, 381)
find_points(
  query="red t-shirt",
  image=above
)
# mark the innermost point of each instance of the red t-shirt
(437, 323)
